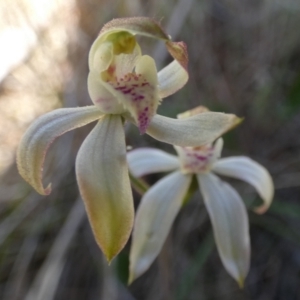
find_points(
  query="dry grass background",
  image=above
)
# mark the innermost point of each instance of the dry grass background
(244, 58)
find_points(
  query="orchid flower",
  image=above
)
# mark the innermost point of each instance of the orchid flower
(162, 202)
(123, 85)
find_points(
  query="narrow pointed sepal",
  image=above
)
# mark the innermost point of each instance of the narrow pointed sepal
(248, 170)
(193, 131)
(104, 184)
(144, 161)
(41, 133)
(229, 219)
(155, 215)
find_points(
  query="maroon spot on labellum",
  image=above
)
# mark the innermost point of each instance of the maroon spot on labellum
(120, 88)
(200, 157)
(127, 91)
(146, 109)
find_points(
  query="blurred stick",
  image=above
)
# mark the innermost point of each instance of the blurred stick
(189, 278)
(46, 281)
(17, 279)
(18, 215)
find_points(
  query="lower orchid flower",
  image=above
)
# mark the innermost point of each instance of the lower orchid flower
(123, 85)
(162, 202)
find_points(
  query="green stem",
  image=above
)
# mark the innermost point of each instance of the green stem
(139, 185)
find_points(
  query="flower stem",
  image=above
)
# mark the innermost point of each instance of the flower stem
(139, 185)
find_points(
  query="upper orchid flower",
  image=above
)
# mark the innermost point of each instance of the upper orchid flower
(123, 84)
(122, 80)
(161, 203)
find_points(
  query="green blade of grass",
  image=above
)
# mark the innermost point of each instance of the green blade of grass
(188, 280)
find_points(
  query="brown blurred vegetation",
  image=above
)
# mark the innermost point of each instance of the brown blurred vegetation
(244, 59)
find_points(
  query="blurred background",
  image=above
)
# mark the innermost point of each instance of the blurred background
(244, 59)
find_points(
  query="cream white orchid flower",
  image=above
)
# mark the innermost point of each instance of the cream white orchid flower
(124, 85)
(162, 202)
(122, 80)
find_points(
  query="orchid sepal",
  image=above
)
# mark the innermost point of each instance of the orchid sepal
(248, 170)
(193, 131)
(154, 218)
(39, 136)
(230, 224)
(103, 179)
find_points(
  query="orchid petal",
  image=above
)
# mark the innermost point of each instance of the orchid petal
(171, 79)
(144, 161)
(154, 218)
(174, 76)
(102, 97)
(102, 57)
(193, 131)
(244, 168)
(104, 184)
(229, 219)
(218, 147)
(41, 133)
